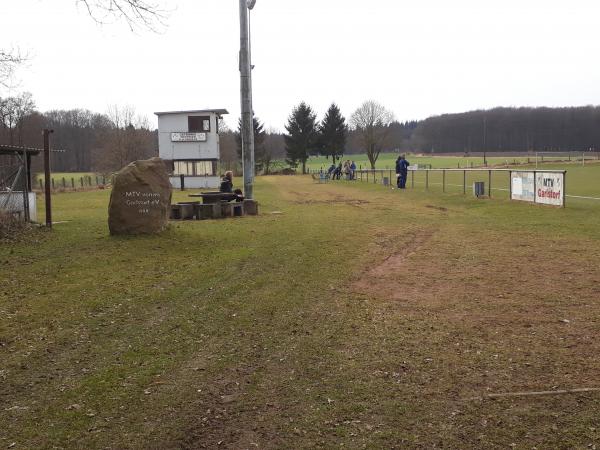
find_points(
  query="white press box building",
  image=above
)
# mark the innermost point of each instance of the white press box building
(188, 142)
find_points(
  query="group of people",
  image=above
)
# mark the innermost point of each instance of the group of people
(346, 169)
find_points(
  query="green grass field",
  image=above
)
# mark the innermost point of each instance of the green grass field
(388, 160)
(346, 314)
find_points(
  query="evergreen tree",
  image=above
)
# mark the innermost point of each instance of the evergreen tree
(301, 135)
(332, 133)
(259, 142)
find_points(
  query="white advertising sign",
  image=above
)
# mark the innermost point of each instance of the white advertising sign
(523, 186)
(549, 188)
(188, 137)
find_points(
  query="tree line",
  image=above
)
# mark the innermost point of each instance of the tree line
(372, 129)
(87, 141)
(106, 142)
(511, 129)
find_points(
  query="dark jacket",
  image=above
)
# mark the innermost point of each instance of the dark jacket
(226, 186)
(402, 166)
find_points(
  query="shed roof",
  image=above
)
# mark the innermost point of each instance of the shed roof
(17, 149)
(195, 111)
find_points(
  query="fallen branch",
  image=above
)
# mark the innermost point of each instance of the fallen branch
(534, 393)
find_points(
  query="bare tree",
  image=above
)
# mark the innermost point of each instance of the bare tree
(10, 59)
(12, 112)
(372, 121)
(134, 12)
(129, 138)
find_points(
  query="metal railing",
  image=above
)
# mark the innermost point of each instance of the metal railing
(387, 177)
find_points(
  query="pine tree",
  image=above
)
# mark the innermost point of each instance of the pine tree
(301, 135)
(332, 133)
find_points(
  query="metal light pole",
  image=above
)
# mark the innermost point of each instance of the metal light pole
(246, 99)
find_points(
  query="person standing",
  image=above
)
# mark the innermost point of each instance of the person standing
(352, 170)
(402, 171)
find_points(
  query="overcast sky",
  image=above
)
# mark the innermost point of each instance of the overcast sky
(418, 58)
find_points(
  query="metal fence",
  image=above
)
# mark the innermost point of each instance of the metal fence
(498, 180)
(75, 183)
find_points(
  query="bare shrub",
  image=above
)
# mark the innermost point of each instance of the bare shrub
(12, 228)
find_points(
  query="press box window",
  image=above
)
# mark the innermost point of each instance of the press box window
(195, 168)
(198, 124)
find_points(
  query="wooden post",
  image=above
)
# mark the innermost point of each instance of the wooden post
(41, 184)
(73, 183)
(81, 181)
(427, 179)
(48, 194)
(490, 184)
(64, 183)
(465, 182)
(443, 181)
(412, 177)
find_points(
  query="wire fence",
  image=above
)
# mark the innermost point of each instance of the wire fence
(456, 181)
(79, 183)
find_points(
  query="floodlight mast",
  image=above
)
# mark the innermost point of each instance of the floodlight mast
(246, 99)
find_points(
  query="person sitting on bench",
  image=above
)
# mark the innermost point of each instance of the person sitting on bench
(239, 195)
(227, 183)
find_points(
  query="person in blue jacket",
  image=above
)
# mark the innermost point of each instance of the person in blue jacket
(352, 170)
(402, 171)
(330, 171)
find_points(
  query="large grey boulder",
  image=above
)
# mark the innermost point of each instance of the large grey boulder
(140, 201)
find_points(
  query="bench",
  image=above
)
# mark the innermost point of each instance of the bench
(232, 209)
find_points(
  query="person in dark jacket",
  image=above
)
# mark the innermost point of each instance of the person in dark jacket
(330, 171)
(227, 183)
(402, 171)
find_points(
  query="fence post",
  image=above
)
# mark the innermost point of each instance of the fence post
(465, 182)
(182, 182)
(97, 180)
(565, 189)
(443, 181)
(510, 185)
(367, 176)
(81, 181)
(427, 179)
(73, 183)
(490, 184)
(412, 178)
(41, 185)
(52, 183)
(64, 183)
